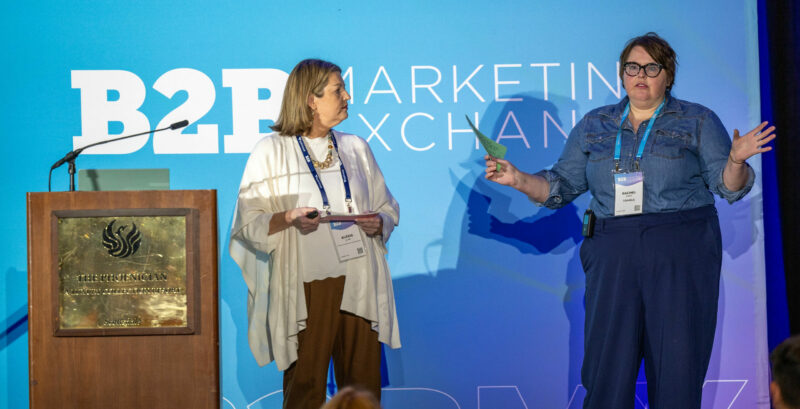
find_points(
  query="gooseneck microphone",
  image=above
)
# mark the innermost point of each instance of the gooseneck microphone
(70, 157)
(177, 125)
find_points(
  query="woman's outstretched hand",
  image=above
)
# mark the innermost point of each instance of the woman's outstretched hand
(751, 143)
(535, 186)
(508, 174)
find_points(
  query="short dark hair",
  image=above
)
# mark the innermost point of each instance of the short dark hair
(785, 359)
(658, 48)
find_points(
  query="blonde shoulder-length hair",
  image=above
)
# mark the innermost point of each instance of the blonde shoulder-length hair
(308, 77)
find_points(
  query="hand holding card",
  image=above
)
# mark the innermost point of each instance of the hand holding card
(494, 149)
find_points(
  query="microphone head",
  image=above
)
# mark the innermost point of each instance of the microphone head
(178, 125)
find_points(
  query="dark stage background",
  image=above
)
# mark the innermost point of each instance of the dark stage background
(779, 36)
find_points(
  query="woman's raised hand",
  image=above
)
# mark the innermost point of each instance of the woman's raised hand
(751, 143)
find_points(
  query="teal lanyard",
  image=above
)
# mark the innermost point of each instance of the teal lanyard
(618, 146)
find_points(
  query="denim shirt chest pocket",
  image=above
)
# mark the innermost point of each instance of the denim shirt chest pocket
(671, 144)
(600, 146)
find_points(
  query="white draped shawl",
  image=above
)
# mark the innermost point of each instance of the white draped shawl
(276, 308)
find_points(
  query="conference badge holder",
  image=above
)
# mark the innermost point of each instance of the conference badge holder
(629, 187)
(628, 193)
(347, 237)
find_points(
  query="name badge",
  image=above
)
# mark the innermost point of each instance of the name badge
(347, 237)
(628, 193)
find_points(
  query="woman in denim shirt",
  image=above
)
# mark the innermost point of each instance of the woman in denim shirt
(653, 262)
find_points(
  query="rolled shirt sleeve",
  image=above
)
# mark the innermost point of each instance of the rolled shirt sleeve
(714, 148)
(567, 178)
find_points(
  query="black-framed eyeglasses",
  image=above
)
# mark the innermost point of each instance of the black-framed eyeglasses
(651, 70)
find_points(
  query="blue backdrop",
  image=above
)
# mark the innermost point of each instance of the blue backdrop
(489, 288)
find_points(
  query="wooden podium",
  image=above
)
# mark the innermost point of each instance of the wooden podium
(122, 302)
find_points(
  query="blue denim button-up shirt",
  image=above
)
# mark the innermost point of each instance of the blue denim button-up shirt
(682, 162)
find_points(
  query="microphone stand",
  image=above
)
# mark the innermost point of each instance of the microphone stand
(70, 157)
(71, 170)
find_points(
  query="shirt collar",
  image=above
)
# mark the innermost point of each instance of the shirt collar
(670, 106)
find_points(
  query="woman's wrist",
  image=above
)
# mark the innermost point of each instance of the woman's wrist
(733, 160)
(278, 222)
(519, 181)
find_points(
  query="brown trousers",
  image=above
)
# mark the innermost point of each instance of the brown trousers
(329, 332)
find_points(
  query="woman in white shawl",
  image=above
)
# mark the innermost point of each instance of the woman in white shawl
(316, 289)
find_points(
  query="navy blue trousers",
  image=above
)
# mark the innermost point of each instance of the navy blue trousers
(652, 287)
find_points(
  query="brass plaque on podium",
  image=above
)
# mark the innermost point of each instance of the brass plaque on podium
(124, 272)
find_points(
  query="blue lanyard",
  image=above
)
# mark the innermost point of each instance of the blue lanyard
(618, 146)
(325, 204)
